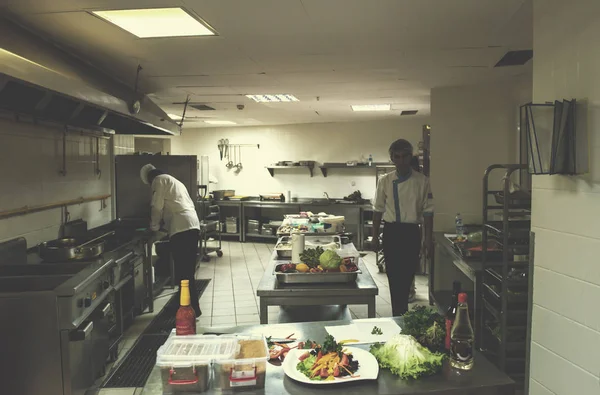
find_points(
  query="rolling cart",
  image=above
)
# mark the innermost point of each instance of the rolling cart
(210, 234)
(210, 226)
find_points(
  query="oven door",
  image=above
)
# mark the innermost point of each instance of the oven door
(103, 319)
(78, 368)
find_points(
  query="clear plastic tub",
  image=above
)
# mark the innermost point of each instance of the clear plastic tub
(185, 361)
(246, 369)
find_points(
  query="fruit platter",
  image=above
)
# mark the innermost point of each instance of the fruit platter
(319, 266)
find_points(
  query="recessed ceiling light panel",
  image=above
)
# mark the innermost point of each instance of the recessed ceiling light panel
(278, 98)
(371, 107)
(215, 122)
(156, 22)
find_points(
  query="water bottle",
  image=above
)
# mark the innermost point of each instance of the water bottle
(460, 228)
(370, 160)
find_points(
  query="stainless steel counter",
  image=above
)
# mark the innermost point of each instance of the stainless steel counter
(448, 266)
(483, 379)
(273, 293)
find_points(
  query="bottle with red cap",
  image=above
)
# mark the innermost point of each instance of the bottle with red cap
(462, 337)
(451, 312)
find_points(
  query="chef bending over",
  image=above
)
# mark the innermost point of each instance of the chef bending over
(171, 203)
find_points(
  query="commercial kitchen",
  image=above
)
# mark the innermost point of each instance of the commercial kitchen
(277, 118)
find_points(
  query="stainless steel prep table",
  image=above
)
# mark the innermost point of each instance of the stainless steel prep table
(483, 379)
(448, 265)
(272, 293)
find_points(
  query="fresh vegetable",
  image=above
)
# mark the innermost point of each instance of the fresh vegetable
(310, 256)
(376, 331)
(302, 268)
(286, 268)
(330, 260)
(405, 357)
(427, 326)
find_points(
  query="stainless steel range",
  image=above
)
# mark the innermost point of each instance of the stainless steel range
(63, 321)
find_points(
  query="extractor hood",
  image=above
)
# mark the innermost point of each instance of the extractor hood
(36, 90)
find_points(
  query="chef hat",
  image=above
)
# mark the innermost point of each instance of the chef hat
(144, 171)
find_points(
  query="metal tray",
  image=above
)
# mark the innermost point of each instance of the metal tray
(316, 278)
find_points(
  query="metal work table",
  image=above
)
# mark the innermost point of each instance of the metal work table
(272, 293)
(449, 265)
(483, 379)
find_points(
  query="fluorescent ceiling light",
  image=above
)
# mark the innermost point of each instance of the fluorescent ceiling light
(372, 107)
(156, 22)
(220, 122)
(173, 116)
(272, 98)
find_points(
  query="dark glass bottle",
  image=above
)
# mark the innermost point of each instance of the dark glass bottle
(451, 312)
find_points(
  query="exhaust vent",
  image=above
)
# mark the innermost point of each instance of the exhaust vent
(202, 107)
(515, 58)
(409, 112)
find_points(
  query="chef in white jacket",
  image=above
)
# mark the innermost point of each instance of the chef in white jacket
(172, 206)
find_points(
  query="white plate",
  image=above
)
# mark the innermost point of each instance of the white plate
(368, 369)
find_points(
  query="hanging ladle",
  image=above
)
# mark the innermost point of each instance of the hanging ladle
(230, 163)
(239, 164)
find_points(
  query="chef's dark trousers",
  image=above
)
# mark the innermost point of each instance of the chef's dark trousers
(184, 248)
(401, 248)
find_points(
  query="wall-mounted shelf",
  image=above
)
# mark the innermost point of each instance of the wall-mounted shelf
(272, 169)
(326, 166)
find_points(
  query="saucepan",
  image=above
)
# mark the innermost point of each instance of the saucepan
(68, 249)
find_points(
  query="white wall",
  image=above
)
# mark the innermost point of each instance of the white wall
(30, 159)
(472, 127)
(326, 142)
(565, 358)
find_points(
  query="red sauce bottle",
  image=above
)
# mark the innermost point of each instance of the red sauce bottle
(185, 320)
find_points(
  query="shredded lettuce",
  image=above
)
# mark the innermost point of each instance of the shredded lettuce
(407, 358)
(304, 366)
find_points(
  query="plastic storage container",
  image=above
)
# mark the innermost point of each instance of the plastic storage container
(185, 361)
(246, 369)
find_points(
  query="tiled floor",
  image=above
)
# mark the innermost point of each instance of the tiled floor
(230, 298)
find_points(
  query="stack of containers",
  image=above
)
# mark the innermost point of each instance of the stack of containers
(191, 364)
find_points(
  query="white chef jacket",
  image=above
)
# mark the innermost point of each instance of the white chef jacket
(171, 202)
(404, 199)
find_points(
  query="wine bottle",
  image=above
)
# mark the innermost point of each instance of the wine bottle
(451, 312)
(462, 337)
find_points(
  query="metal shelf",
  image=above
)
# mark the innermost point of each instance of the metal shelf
(272, 169)
(505, 298)
(326, 166)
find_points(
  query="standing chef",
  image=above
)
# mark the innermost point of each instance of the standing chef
(172, 204)
(403, 200)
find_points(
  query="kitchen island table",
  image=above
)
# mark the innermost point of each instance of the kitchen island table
(273, 293)
(483, 379)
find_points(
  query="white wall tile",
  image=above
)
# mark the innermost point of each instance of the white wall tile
(571, 258)
(567, 65)
(572, 212)
(567, 296)
(32, 157)
(568, 339)
(535, 388)
(559, 375)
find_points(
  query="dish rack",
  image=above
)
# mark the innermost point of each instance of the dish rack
(505, 296)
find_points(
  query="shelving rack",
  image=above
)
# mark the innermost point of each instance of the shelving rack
(505, 294)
